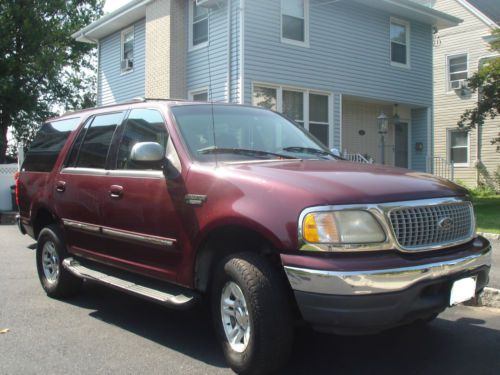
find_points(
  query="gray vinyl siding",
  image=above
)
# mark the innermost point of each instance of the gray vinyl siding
(419, 124)
(207, 67)
(113, 85)
(349, 53)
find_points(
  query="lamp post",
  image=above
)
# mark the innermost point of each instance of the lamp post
(383, 124)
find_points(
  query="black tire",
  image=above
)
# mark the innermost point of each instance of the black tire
(269, 313)
(63, 284)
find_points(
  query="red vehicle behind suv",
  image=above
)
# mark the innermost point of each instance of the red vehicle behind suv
(173, 201)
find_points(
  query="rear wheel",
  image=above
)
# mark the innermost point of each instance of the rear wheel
(252, 314)
(51, 251)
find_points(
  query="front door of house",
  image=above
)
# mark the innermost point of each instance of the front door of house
(401, 145)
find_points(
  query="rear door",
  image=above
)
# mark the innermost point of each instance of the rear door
(81, 187)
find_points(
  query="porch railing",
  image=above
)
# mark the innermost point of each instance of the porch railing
(356, 158)
(441, 167)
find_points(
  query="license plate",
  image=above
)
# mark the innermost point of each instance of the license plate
(462, 290)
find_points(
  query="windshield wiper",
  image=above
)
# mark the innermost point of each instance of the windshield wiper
(309, 150)
(242, 151)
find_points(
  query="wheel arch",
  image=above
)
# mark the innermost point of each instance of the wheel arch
(43, 216)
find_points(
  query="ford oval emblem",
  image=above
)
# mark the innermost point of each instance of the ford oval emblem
(445, 223)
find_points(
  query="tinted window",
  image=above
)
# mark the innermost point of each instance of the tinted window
(47, 145)
(94, 150)
(142, 125)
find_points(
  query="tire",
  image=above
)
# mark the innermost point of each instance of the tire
(260, 315)
(50, 252)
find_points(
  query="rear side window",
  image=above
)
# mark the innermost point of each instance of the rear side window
(142, 125)
(47, 145)
(94, 149)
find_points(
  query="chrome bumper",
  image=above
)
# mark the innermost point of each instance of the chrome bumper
(380, 281)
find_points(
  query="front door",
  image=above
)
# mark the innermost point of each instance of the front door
(401, 145)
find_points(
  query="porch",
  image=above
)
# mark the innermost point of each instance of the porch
(405, 143)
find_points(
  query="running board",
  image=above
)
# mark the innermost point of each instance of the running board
(156, 291)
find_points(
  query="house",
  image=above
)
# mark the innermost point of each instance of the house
(458, 53)
(332, 66)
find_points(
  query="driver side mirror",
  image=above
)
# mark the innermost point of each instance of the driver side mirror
(147, 153)
(336, 152)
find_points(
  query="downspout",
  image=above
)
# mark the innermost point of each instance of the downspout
(242, 54)
(229, 13)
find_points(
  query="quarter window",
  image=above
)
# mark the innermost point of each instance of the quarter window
(459, 146)
(294, 20)
(47, 145)
(400, 38)
(457, 71)
(94, 150)
(199, 24)
(127, 61)
(142, 125)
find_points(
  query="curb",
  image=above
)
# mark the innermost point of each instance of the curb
(490, 297)
(489, 236)
(7, 218)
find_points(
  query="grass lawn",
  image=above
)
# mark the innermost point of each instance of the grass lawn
(488, 213)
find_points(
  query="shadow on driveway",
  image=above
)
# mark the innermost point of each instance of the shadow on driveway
(444, 346)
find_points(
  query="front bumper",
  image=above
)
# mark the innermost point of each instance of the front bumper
(358, 301)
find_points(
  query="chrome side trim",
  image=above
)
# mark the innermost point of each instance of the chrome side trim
(381, 213)
(380, 281)
(120, 234)
(128, 236)
(113, 173)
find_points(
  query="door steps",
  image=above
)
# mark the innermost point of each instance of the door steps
(153, 290)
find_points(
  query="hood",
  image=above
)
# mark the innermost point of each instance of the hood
(341, 182)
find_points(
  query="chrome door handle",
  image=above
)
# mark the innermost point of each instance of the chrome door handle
(115, 191)
(60, 186)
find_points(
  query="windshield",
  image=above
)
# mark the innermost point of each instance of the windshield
(237, 133)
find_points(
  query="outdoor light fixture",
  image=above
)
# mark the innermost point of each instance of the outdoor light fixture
(395, 118)
(383, 126)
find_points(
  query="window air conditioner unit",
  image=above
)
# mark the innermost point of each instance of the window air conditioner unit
(208, 3)
(459, 84)
(127, 64)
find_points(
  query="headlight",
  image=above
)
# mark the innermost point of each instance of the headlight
(342, 227)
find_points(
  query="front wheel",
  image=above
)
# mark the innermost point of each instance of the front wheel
(252, 314)
(51, 251)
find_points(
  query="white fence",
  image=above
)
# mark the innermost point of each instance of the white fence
(7, 172)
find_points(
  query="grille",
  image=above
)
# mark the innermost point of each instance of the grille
(419, 227)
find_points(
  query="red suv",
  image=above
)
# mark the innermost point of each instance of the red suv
(179, 201)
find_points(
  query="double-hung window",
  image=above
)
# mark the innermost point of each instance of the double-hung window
(294, 21)
(199, 95)
(127, 60)
(199, 24)
(458, 146)
(307, 108)
(457, 71)
(400, 42)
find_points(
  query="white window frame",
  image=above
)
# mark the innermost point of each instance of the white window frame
(449, 145)
(406, 24)
(448, 72)
(193, 47)
(306, 92)
(124, 32)
(198, 91)
(294, 42)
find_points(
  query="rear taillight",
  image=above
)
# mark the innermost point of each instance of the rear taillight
(16, 177)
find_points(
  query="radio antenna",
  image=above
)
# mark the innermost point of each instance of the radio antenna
(210, 93)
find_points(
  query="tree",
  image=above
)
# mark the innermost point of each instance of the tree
(41, 66)
(487, 81)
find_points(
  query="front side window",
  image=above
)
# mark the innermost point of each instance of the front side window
(47, 145)
(142, 125)
(458, 146)
(400, 37)
(294, 20)
(95, 146)
(457, 71)
(127, 60)
(199, 24)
